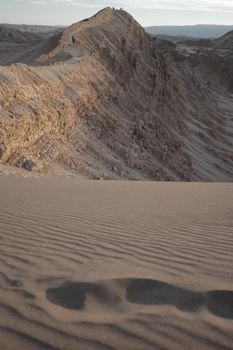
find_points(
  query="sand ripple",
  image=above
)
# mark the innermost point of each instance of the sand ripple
(104, 265)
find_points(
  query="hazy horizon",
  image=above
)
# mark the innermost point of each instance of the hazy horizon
(148, 13)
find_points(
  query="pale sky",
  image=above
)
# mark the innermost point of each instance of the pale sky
(146, 12)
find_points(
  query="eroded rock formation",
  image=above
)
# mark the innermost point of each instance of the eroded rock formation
(103, 101)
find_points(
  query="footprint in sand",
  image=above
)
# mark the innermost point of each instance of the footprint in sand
(72, 295)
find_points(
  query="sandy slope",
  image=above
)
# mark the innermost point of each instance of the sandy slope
(115, 265)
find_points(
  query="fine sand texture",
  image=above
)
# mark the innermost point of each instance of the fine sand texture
(102, 265)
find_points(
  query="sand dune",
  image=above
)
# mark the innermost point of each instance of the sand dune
(115, 265)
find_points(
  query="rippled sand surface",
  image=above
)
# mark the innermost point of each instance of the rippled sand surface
(115, 265)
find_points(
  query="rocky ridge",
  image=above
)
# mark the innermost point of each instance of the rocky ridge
(104, 101)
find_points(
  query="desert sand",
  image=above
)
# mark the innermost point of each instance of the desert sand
(115, 265)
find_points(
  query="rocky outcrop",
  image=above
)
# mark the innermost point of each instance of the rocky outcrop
(106, 103)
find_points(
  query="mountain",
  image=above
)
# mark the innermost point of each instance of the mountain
(104, 100)
(198, 31)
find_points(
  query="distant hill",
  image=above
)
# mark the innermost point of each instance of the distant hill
(198, 31)
(33, 28)
(225, 41)
(8, 34)
(18, 46)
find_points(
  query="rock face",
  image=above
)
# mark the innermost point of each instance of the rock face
(103, 101)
